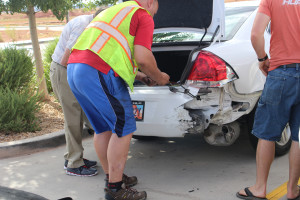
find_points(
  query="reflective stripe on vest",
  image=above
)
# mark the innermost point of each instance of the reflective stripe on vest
(110, 30)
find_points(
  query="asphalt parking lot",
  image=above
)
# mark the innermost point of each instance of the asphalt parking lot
(175, 169)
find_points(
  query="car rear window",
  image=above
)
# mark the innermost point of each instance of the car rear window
(234, 18)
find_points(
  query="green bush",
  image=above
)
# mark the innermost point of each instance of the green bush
(18, 110)
(47, 62)
(16, 68)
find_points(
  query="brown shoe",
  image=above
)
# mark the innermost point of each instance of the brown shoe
(125, 194)
(129, 181)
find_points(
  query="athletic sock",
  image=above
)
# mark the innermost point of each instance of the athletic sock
(115, 187)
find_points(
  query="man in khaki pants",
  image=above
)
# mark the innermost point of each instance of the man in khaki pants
(74, 164)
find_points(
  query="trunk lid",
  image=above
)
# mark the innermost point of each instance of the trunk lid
(196, 15)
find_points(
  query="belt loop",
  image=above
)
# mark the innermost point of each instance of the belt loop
(297, 66)
(284, 67)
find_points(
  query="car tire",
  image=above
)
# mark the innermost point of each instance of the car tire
(281, 147)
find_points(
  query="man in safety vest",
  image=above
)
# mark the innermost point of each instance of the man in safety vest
(104, 60)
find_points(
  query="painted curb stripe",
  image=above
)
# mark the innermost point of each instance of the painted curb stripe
(279, 192)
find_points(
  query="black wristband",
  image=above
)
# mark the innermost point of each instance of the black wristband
(263, 59)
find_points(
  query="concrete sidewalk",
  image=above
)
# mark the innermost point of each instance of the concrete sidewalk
(32, 145)
(28, 147)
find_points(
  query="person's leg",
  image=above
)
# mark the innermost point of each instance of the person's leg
(101, 142)
(294, 156)
(272, 115)
(264, 157)
(117, 155)
(294, 172)
(73, 122)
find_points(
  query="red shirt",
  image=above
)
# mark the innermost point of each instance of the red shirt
(141, 26)
(285, 31)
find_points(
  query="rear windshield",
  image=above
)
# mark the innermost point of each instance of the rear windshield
(234, 18)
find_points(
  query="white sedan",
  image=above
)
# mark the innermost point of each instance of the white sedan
(215, 79)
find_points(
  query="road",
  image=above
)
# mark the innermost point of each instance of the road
(169, 169)
(48, 27)
(27, 44)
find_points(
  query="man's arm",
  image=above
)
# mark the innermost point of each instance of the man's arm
(258, 41)
(145, 79)
(65, 58)
(147, 65)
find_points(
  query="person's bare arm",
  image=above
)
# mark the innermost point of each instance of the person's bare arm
(258, 41)
(65, 58)
(148, 66)
(145, 79)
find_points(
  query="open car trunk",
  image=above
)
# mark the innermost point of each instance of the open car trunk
(172, 62)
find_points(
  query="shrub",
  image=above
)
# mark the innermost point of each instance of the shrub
(18, 110)
(16, 68)
(47, 62)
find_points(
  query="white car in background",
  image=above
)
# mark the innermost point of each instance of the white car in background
(214, 74)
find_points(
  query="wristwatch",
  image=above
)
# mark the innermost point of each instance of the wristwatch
(263, 59)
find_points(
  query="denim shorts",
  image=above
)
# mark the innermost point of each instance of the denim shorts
(278, 105)
(104, 98)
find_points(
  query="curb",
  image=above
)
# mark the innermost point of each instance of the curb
(32, 145)
(35, 144)
(26, 42)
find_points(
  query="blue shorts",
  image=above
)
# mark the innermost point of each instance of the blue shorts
(278, 105)
(104, 98)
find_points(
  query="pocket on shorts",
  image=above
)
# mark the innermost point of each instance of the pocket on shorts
(273, 90)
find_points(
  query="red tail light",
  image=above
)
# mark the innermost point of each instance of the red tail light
(208, 67)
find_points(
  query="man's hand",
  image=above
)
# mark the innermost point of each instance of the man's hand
(264, 67)
(145, 79)
(148, 81)
(165, 79)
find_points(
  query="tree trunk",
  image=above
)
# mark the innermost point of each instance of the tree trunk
(37, 54)
(67, 17)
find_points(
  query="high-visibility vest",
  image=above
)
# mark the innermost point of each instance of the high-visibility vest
(108, 36)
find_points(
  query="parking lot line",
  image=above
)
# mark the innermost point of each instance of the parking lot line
(279, 192)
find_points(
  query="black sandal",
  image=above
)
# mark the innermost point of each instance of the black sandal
(249, 196)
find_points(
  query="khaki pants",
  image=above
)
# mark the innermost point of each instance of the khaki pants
(73, 115)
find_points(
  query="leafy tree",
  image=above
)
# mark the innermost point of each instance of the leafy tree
(91, 5)
(59, 8)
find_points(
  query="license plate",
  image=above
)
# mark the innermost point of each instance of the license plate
(138, 110)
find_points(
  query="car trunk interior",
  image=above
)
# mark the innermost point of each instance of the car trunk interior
(172, 63)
